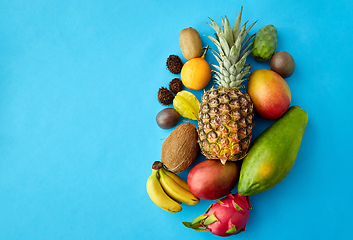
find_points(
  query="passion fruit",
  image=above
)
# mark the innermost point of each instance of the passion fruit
(167, 118)
(196, 73)
(283, 64)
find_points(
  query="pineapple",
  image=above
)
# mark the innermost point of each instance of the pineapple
(226, 114)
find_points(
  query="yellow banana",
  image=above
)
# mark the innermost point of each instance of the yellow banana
(158, 196)
(175, 191)
(176, 178)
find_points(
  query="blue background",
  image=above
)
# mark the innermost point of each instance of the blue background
(78, 101)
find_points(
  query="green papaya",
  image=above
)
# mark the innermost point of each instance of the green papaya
(273, 153)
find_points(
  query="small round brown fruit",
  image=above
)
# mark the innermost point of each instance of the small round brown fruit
(282, 63)
(167, 118)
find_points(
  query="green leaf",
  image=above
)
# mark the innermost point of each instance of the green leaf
(224, 44)
(243, 73)
(238, 207)
(211, 219)
(232, 230)
(236, 26)
(247, 30)
(198, 219)
(234, 54)
(216, 27)
(196, 228)
(250, 45)
(218, 45)
(219, 201)
(228, 33)
(240, 64)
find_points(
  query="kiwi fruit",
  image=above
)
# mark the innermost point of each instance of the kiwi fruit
(190, 43)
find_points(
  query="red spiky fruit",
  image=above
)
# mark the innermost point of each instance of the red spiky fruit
(225, 217)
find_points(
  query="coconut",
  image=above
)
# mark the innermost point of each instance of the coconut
(180, 148)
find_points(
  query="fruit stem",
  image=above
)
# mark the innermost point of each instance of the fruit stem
(157, 165)
(204, 53)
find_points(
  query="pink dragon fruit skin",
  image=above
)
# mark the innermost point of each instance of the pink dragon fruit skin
(225, 217)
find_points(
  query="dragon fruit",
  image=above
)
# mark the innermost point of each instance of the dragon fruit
(224, 217)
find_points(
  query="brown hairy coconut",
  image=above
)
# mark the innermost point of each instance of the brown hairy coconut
(180, 148)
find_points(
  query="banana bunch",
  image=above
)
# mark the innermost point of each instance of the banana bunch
(167, 190)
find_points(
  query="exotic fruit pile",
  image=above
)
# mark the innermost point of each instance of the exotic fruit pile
(219, 125)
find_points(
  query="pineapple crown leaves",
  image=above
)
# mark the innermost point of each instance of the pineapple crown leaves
(233, 49)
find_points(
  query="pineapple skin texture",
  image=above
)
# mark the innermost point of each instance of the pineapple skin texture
(225, 124)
